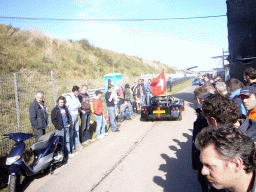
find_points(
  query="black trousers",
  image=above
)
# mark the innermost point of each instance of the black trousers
(85, 126)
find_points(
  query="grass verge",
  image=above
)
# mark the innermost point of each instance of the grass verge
(179, 87)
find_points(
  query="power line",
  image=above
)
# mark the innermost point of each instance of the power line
(102, 20)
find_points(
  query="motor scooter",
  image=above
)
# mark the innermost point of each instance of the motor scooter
(48, 151)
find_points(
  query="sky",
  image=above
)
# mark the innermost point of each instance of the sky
(181, 43)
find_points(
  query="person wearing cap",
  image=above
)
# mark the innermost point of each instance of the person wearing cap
(248, 96)
(98, 113)
(109, 96)
(200, 94)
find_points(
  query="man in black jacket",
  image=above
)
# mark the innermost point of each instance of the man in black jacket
(250, 76)
(200, 94)
(61, 119)
(38, 115)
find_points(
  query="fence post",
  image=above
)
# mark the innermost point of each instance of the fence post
(17, 101)
(53, 88)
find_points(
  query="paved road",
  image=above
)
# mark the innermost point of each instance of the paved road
(143, 156)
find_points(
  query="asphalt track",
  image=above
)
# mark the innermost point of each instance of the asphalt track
(143, 156)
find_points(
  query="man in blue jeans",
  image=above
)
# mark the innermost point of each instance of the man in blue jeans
(111, 107)
(148, 91)
(73, 105)
(98, 113)
(61, 119)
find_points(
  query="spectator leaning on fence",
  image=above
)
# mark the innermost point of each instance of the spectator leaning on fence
(228, 158)
(62, 120)
(38, 115)
(109, 96)
(98, 113)
(85, 114)
(73, 105)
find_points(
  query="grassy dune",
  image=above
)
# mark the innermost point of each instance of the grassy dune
(24, 50)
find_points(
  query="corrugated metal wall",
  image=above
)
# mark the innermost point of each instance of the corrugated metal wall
(241, 36)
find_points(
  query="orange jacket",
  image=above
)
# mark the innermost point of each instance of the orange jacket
(97, 105)
(252, 114)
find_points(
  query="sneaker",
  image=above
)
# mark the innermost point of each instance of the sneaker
(101, 136)
(91, 140)
(71, 155)
(105, 134)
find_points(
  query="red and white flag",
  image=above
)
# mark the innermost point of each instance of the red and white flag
(158, 85)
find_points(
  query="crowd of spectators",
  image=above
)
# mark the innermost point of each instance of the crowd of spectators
(121, 104)
(223, 150)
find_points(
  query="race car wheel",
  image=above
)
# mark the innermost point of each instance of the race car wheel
(182, 103)
(143, 119)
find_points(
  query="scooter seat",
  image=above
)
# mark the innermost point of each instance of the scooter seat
(42, 142)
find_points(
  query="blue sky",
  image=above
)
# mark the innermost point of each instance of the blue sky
(179, 43)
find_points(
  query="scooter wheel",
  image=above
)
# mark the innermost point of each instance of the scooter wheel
(58, 155)
(13, 183)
